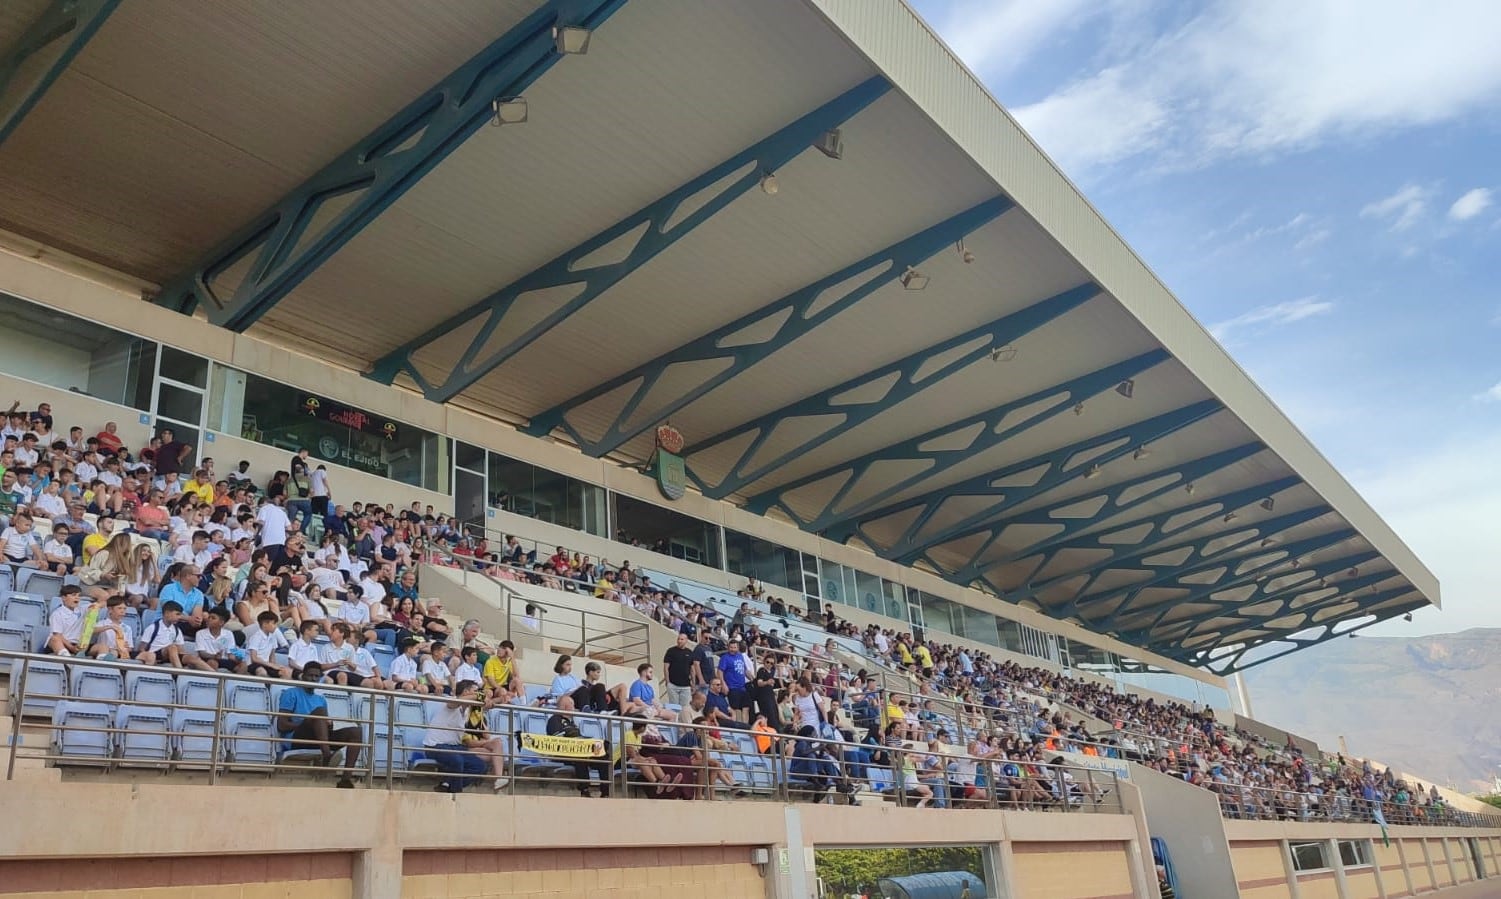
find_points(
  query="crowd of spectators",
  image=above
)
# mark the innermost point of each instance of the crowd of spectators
(280, 581)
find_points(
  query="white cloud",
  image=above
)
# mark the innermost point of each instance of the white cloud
(1403, 208)
(1276, 76)
(1001, 35)
(1470, 205)
(1312, 239)
(1490, 396)
(1271, 316)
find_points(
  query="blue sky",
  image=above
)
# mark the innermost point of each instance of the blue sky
(1319, 182)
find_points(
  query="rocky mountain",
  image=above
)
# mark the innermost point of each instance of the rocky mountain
(1427, 705)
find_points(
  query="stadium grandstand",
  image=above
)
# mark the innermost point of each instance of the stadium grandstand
(438, 434)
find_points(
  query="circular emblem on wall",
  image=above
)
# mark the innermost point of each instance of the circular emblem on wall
(670, 439)
(328, 447)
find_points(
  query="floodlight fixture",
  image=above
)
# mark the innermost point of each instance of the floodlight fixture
(1003, 353)
(1126, 388)
(1230, 516)
(1189, 488)
(1142, 452)
(1407, 617)
(769, 184)
(571, 39)
(830, 144)
(509, 111)
(912, 279)
(1268, 504)
(1078, 408)
(964, 252)
(1093, 472)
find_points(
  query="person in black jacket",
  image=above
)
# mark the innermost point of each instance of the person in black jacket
(562, 724)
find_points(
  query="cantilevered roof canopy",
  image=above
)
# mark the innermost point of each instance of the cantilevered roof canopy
(919, 338)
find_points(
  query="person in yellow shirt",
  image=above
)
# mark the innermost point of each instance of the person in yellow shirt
(201, 487)
(502, 675)
(924, 659)
(105, 527)
(904, 653)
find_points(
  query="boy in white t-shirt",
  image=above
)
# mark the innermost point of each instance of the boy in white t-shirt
(405, 674)
(469, 668)
(56, 551)
(338, 656)
(354, 611)
(262, 644)
(112, 636)
(66, 623)
(20, 544)
(216, 646)
(435, 672)
(366, 673)
(163, 642)
(303, 649)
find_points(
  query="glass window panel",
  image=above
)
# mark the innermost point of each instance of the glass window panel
(184, 367)
(179, 404)
(750, 556)
(872, 599)
(978, 625)
(1010, 634)
(467, 455)
(833, 583)
(1310, 856)
(666, 531)
(60, 350)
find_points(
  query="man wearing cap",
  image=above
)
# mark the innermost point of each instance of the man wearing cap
(78, 526)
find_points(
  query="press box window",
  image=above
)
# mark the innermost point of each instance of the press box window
(1310, 856)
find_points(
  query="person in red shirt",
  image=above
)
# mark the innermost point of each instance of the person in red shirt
(109, 439)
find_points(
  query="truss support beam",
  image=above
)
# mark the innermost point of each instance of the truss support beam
(1132, 557)
(268, 258)
(788, 318)
(31, 65)
(1114, 500)
(1190, 628)
(1047, 473)
(894, 383)
(1235, 662)
(655, 228)
(1232, 571)
(942, 448)
(1264, 587)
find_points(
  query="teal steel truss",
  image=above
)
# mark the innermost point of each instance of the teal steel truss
(1230, 660)
(248, 274)
(790, 317)
(34, 62)
(852, 403)
(654, 228)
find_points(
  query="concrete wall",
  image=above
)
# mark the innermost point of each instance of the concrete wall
(305, 875)
(725, 872)
(1187, 818)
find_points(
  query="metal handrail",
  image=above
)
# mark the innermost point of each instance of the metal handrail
(1261, 803)
(1056, 787)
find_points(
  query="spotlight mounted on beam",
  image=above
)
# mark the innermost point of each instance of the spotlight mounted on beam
(1003, 353)
(830, 144)
(1407, 617)
(571, 39)
(964, 252)
(912, 279)
(1126, 388)
(1142, 452)
(1093, 472)
(1078, 408)
(1229, 517)
(769, 184)
(1268, 504)
(1189, 488)
(508, 110)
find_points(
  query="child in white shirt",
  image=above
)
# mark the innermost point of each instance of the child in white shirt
(262, 644)
(469, 668)
(112, 636)
(216, 646)
(57, 552)
(303, 649)
(66, 623)
(163, 641)
(435, 672)
(366, 672)
(404, 670)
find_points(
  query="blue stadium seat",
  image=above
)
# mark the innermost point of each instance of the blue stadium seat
(28, 610)
(41, 677)
(193, 735)
(7, 579)
(146, 685)
(198, 691)
(68, 740)
(144, 734)
(97, 684)
(529, 762)
(240, 732)
(592, 728)
(14, 637)
(383, 655)
(340, 705)
(248, 696)
(39, 583)
(535, 692)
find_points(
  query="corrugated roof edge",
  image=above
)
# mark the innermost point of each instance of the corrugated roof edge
(906, 50)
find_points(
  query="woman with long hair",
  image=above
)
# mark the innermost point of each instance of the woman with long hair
(109, 568)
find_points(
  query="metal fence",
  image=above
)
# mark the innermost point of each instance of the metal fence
(1278, 804)
(113, 715)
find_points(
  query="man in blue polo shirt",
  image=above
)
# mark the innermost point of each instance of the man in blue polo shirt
(302, 718)
(717, 706)
(183, 590)
(734, 667)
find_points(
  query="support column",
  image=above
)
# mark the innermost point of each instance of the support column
(1406, 865)
(1449, 860)
(1289, 869)
(798, 880)
(377, 870)
(1428, 860)
(1338, 864)
(999, 864)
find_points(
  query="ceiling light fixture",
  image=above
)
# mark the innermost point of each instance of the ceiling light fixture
(571, 39)
(1229, 517)
(1267, 541)
(1093, 472)
(830, 144)
(769, 184)
(1003, 353)
(912, 279)
(964, 252)
(1353, 572)
(509, 111)
(1407, 617)
(1268, 503)
(1078, 408)
(1142, 452)
(1126, 388)
(1189, 488)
